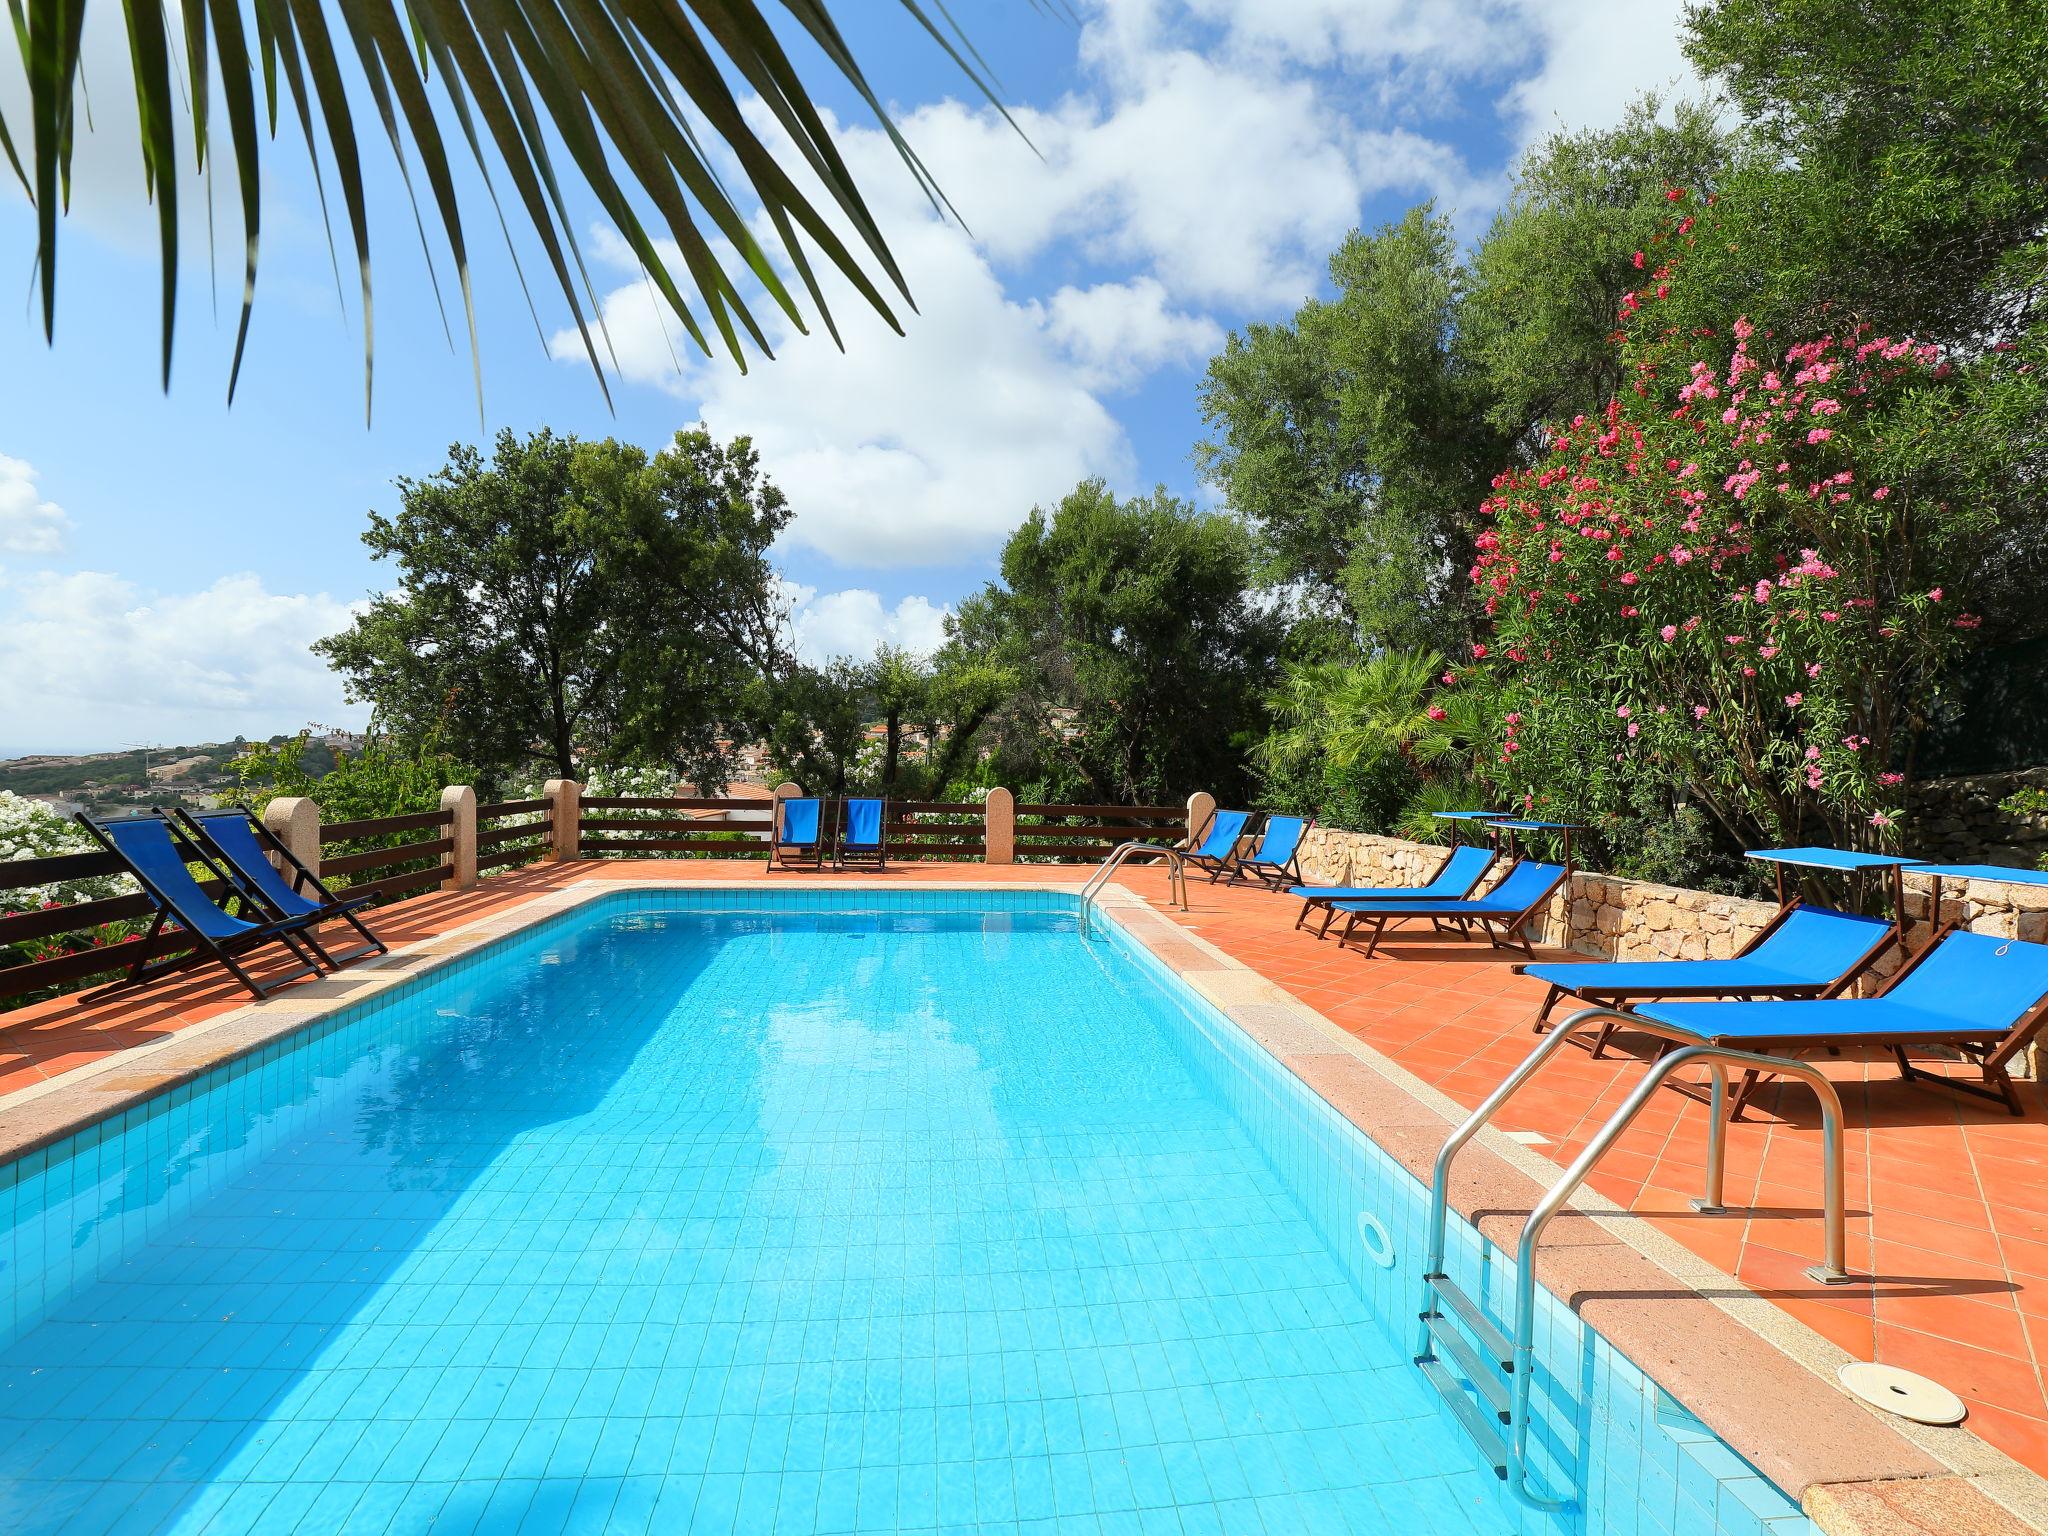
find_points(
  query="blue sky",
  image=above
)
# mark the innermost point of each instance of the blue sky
(165, 559)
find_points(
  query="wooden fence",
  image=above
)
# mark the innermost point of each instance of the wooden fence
(51, 946)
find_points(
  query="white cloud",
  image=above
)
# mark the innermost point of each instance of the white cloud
(1596, 56)
(854, 623)
(89, 660)
(1117, 333)
(921, 449)
(1561, 63)
(29, 525)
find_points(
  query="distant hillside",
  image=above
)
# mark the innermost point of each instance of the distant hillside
(91, 775)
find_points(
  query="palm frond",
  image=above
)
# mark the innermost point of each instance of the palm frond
(627, 90)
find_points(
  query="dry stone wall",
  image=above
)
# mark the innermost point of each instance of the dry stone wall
(1958, 820)
(1616, 919)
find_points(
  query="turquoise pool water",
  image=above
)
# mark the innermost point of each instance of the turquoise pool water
(933, 1216)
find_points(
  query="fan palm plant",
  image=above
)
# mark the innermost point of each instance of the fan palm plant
(629, 90)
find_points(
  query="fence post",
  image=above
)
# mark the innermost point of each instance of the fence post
(999, 827)
(1201, 806)
(565, 819)
(459, 862)
(296, 822)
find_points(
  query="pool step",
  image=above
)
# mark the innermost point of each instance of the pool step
(1472, 1378)
(1496, 1344)
(1480, 1426)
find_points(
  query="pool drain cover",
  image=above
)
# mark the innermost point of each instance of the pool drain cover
(1901, 1392)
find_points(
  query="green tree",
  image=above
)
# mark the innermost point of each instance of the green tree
(1360, 437)
(897, 682)
(570, 596)
(1137, 656)
(1899, 164)
(813, 720)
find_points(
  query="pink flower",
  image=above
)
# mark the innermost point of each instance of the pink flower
(1629, 613)
(1813, 754)
(1449, 678)
(1818, 435)
(1879, 819)
(1514, 718)
(1632, 729)
(1813, 670)
(1669, 632)
(1889, 779)
(1699, 711)
(1767, 651)
(1478, 653)
(1436, 712)
(1880, 493)
(1934, 596)
(1621, 710)
(1794, 700)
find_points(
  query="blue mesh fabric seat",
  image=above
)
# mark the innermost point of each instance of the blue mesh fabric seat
(1502, 913)
(1980, 995)
(145, 845)
(1275, 863)
(1455, 877)
(1805, 951)
(861, 836)
(799, 837)
(247, 848)
(1218, 843)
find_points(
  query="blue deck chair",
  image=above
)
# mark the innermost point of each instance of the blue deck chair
(1502, 912)
(799, 834)
(144, 844)
(237, 837)
(1804, 951)
(1462, 869)
(862, 839)
(1973, 993)
(1217, 845)
(1275, 863)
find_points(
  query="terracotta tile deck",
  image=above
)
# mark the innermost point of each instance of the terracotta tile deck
(1948, 1196)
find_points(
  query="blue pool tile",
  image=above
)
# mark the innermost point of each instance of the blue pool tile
(723, 1211)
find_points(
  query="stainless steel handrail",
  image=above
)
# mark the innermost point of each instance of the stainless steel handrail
(1833, 1271)
(1176, 875)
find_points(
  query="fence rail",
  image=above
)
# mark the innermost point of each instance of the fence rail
(54, 949)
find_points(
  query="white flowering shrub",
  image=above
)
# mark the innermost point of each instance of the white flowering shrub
(29, 829)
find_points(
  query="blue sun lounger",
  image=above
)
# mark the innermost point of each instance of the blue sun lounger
(144, 844)
(1804, 951)
(799, 834)
(1462, 869)
(861, 838)
(1974, 993)
(246, 846)
(1275, 862)
(1503, 911)
(1217, 846)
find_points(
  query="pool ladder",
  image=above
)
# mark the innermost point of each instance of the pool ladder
(1176, 875)
(1486, 1374)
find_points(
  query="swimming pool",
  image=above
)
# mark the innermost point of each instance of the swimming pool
(752, 1212)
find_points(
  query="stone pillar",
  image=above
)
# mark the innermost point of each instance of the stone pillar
(999, 827)
(459, 862)
(1201, 806)
(565, 819)
(296, 822)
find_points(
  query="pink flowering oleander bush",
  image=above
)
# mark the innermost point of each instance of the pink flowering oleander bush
(1740, 582)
